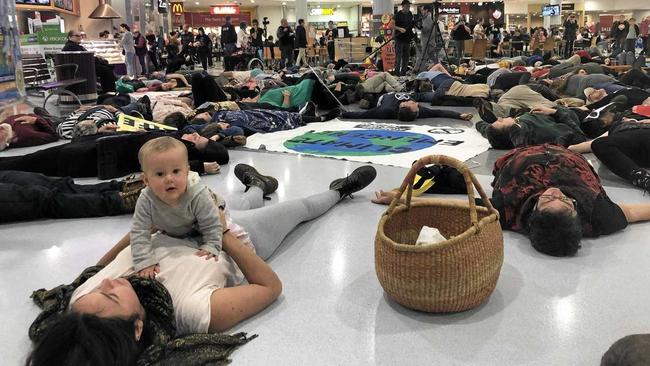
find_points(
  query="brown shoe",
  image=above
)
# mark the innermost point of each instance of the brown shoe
(133, 183)
(129, 200)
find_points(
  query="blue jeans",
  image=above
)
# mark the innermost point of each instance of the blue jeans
(129, 60)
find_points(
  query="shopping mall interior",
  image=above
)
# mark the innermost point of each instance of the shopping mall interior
(379, 198)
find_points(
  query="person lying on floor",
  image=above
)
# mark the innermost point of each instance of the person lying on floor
(89, 120)
(127, 85)
(113, 155)
(554, 197)
(110, 316)
(24, 130)
(542, 124)
(623, 147)
(222, 132)
(601, 95)
(402, 106)
(264, 120)
(32, 196)
(515, 102)
(446, 85)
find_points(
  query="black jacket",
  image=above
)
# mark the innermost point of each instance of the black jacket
(404, 20)
(618, 33)
(257, 41)
(570, 30)
(72, 47)
(301, 37)
(285, 36)
(389, 109)
(228, 34)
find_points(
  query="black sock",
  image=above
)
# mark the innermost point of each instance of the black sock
(310, 119)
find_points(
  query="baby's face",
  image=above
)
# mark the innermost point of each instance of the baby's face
(166, 173)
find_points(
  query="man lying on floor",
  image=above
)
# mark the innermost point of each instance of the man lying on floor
(553, 196)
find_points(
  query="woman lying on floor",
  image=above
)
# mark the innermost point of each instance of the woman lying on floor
(553, 196)
(109, 316)
(112, 155)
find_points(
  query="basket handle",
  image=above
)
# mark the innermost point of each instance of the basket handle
(470, 181)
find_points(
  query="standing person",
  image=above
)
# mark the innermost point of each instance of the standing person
(428, 40)
(632, 35)
(256, 39)
(460, 34)
(174, 58)
(103, 70)
(570, 34)
(403, 35)
(479, 31)
(140, 45)
(202, 44)
(128, 45)
(330, 34)
(187, 38)
(619, 32)
(228, 38)
(286, 39)
(152, 44)
(644, 26)
(242, 37)
(301, 42)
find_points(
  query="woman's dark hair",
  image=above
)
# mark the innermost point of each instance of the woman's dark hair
(210, 129)
(555, 233)
(201, 30)
(215, 151)
(70, 33)
(173, 33)
(406, 114)
(85, 339)
(125, 26)
(175, 119)
(499, 138)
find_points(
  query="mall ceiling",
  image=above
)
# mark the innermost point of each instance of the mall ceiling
(202, 4)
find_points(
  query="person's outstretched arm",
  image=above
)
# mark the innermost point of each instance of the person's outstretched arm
(376, 112)
(443, 113)
(114, 251)
(231, 305)
(636, 212)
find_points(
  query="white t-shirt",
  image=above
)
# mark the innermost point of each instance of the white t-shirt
(190, 279)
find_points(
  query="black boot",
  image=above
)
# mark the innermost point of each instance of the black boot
(251, 177)
(641, 178)
(359, 179)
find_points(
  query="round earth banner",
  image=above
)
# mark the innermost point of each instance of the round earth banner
(359, 142)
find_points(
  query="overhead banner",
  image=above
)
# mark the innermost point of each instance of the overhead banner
(377, 143)
(224, 9)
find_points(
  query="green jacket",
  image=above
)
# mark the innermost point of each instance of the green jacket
(300, 94)
(561, 128)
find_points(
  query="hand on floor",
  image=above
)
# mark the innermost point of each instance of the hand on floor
(384, 198)
(466, 116)
(207, 255)
(211, 167)
(149, 272)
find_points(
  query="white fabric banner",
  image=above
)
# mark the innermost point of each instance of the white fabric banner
(377, 143)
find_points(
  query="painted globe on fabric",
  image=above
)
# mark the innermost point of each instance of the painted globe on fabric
(359, 142)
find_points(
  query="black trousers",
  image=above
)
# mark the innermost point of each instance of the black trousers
(154, 58)
(624, 152)
(205, 89)
(203, 57)
(331, 51)
(286, 53)
(106, 77)
(508, 80)
(30, 196)
(637, 78)
(629, 44)
(402, 55)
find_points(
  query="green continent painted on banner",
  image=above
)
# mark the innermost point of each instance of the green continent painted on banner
(359, 142)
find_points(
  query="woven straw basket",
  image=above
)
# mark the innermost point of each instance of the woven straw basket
(455, 275)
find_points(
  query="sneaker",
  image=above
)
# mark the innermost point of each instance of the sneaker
(641, 178)
(484, 110)
(133, 183)
(309, 109)
(359, 179)
(252, 178)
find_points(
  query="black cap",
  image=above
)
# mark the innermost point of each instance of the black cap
(406, 2)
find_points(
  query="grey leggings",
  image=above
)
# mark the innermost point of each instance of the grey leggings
(268, 226)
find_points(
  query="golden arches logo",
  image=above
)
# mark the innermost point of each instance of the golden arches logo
(177, 8)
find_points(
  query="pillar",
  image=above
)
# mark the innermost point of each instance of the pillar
(301, 10)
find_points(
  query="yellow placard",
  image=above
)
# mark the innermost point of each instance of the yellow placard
(126, 123)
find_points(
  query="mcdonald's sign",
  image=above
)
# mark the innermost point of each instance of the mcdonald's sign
(177, 8)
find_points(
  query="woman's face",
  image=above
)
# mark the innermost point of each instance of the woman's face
(199, 141)
(112, 299)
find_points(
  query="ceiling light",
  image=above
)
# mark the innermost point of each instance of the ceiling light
(197, 3)
(284, 3)
(253, 1)
(338, 6)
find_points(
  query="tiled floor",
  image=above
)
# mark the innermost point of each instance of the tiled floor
(544, 311)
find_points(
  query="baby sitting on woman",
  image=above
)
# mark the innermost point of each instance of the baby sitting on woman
(174, 202)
